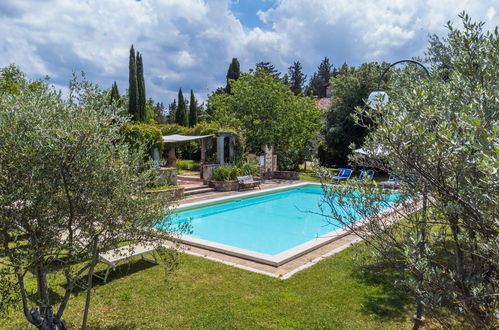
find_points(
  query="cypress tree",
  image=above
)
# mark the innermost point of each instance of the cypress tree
(141, 100)
(115, 94)
(193, 111)
(132, 86)
(233, 73)
(172, 112)
(181, 116)
(296, 77)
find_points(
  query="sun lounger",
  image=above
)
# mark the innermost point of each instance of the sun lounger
(113, 257)
(365, 175)
(344, 174)
(247, 181)
(391, 183)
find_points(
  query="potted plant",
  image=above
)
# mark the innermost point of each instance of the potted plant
(224, 178)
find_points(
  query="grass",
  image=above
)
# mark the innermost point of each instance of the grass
(186, 164)
(206, 294)
(164, 187)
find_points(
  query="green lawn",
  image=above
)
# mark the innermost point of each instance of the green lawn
(334, 294)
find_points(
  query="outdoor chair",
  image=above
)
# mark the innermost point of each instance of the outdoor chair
(344, 174)
(247, 181)
(365, 175)
(392, 183)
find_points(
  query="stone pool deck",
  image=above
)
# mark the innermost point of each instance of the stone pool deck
(284, 271)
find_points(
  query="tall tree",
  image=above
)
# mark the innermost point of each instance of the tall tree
(141, 87)
(268, 68)
(160, 113)
(115, 94)
(133, 90)
(172, 112)
(233, 73)
(181, 115)
(314, 85)
(296, 77)
(268, 113)
(319, 80)
(440, 140)
(193, 110)
(61, 195)
(351, 87)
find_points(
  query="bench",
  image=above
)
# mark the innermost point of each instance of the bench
(247, 181)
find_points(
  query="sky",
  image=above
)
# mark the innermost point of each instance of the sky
(189, 44)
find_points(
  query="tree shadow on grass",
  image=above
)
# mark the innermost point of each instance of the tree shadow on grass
(125, 269)
(391, 301)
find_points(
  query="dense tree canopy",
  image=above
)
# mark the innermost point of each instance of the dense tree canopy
(70, 187)
(266, 112)
(440, 139)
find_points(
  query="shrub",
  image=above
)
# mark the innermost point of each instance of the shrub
(231, 172)
(191, 165)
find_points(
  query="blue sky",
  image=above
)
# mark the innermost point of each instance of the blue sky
(190, 43)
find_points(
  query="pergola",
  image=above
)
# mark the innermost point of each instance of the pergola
(221, 136)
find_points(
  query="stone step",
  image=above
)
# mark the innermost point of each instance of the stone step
(198, 191)
(195, 187)
(189, 178)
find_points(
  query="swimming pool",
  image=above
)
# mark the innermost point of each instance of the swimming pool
(270, 227)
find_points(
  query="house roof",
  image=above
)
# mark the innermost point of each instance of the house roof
(323, 103)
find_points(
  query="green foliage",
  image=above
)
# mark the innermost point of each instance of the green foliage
(186, 164)
(231, 172)
(297, 78)
(441, 139)
(320, 79)
(268, 68)
(351, 87)
(181, 114)
(266, 112)
(78, 182)
(193, 110)
(133, 87)
(137, 135)
(141, 87)
(233, 73)
(115, 95)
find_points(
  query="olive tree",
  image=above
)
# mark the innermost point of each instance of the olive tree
(440, 139)
(69, 189)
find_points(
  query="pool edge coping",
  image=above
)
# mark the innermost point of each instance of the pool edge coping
(282, 257)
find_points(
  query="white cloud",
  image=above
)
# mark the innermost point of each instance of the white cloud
(190, 43)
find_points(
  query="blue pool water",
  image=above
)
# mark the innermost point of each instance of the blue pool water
(266, 223)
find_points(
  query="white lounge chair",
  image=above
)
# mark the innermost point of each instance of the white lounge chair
(112, 257)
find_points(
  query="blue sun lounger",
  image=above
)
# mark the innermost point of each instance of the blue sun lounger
(365, 175)
(344, 174)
